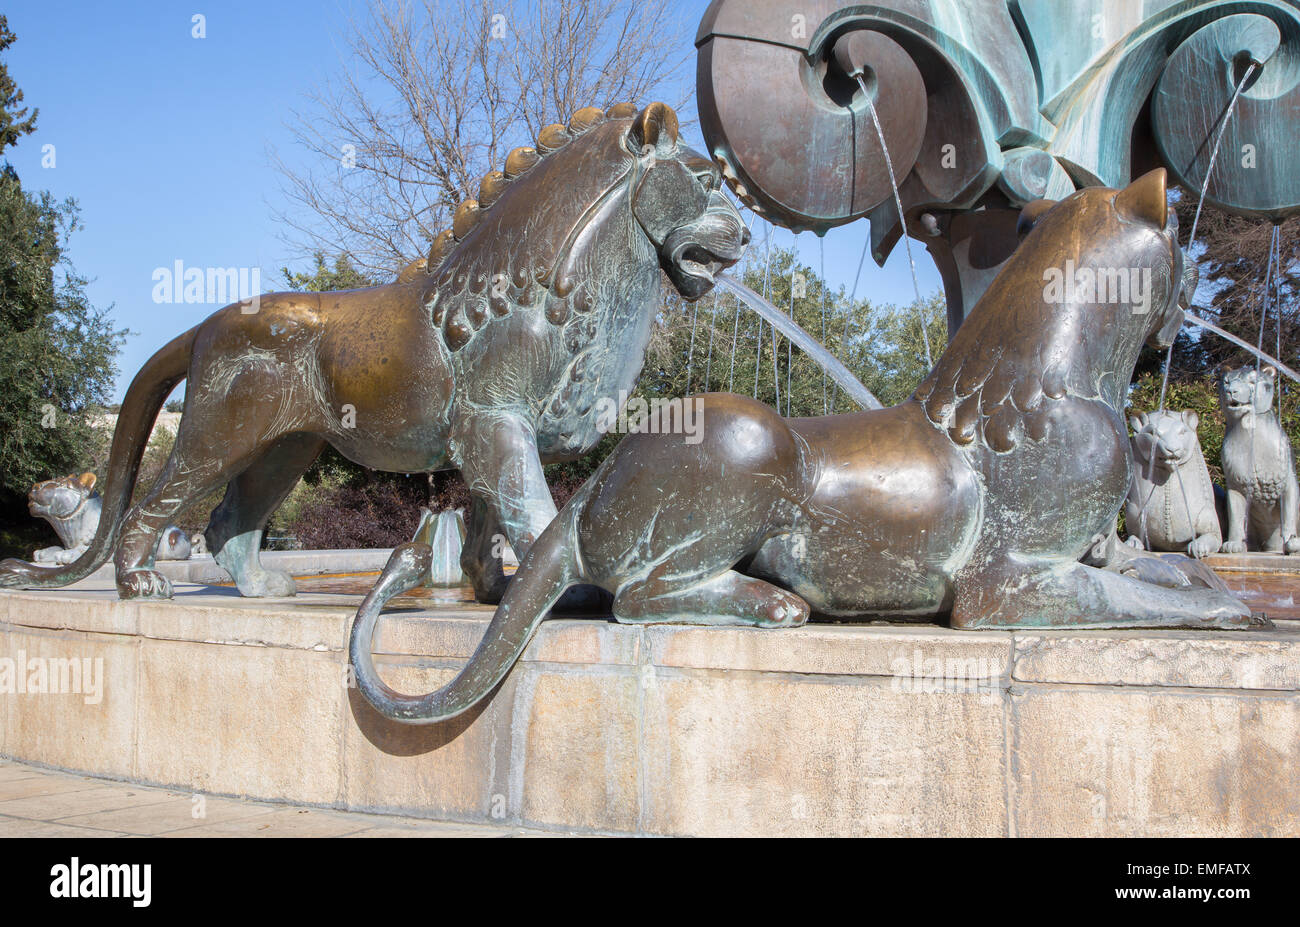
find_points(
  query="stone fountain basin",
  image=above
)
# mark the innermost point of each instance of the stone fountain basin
(872, 729)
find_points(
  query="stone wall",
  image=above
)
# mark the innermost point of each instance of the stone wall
(828, 729)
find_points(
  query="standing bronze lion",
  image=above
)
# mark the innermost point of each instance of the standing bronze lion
(537, 304)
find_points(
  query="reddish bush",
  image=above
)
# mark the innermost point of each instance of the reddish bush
(382, 513)
(385, 510)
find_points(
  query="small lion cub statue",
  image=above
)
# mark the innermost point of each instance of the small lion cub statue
(71, 506)
(1257, 466)
(1170, 504)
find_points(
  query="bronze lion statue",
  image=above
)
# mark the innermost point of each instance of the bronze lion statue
(491, 358)
(973, 501)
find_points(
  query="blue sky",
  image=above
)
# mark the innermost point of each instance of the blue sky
(165, 142)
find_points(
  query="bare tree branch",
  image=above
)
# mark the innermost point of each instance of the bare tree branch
(435, 93)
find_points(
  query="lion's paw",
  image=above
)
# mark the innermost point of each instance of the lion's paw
(1203, 547)
(783, 611)
(1233, 547)
(143, 584)
(268, 584)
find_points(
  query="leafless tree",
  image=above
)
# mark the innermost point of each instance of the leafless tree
(434, 94)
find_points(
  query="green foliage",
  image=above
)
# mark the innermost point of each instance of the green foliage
(15, 121)
(889, 357)
(882, 346)
(56, 350)
(323, 277)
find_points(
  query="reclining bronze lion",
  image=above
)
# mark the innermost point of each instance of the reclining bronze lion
(974, 500)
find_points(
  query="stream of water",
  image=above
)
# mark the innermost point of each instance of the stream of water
(1242, 343)
(804, 341)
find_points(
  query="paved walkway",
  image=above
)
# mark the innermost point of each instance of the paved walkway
(37, 802)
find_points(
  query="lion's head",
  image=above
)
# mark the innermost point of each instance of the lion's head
(60, 499)
(678, 201)
(1247, 391)
(1165, 439)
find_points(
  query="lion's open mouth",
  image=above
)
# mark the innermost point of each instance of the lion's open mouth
(696, 261)
(694, 255)
(694, 269)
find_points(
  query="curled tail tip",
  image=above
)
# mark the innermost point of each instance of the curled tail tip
(408, 561)
(547, 571)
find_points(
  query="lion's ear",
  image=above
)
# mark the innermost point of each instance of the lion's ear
(1146, 199)
(1269, 371)
(87, 480)
(656, 125)
(1137, 422)
(1191, 419)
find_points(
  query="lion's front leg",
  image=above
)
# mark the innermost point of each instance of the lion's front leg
(1290, 503)
(497, 456)
(1237, 511)
(480, 559)
(1010, 594)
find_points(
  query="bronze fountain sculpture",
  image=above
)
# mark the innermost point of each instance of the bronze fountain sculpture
(986, 106)
(976, 499)
(537, 304)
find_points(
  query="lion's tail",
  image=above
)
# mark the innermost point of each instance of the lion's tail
(148, 391)
(550, 567)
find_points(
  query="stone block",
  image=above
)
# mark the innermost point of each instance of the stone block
(284, 623)
(87, 730)
(79, 612)
(250, 721)
(1249, 660)
(730, 754)
(830, 649)
(1100, 761)
(574, 749)
(442, 770)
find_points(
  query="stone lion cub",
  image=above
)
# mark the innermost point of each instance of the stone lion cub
(1171, 500)
(72, 507)
(1257, 466)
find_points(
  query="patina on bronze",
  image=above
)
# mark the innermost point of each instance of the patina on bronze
(986, 106)
(537, 304)
(974, 500)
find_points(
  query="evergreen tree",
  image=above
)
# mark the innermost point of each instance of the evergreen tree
(15, 121)
(56, 350)
(343, 275)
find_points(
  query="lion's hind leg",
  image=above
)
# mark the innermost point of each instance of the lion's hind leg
(177, 486)
(235, 529)
(225, 429)
(1075, 595)
(729, 598)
